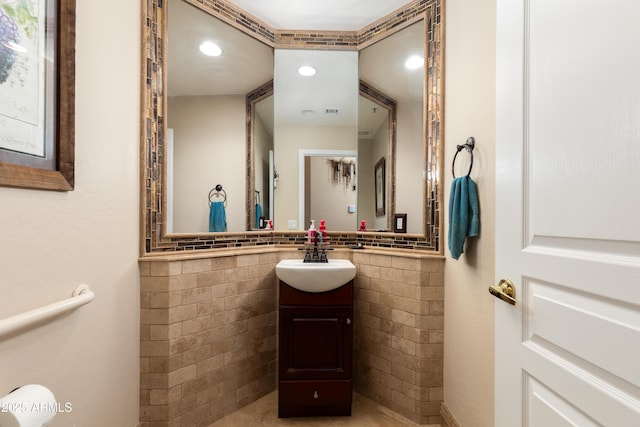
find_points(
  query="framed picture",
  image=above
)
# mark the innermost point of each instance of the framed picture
(37, 94)
(400, 223)
(380, 178)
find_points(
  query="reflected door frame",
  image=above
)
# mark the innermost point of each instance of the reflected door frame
(302, 153)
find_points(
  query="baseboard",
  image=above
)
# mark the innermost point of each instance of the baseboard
(448, 416)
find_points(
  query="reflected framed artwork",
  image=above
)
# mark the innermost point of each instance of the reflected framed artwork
(37, 94)
(379, 176)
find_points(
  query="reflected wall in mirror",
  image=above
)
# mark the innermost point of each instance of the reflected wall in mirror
(207, 118)
(327, 187)
(154, 102)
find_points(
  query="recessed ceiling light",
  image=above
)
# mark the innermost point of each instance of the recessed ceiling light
(307, 71)
(308, 112)
(414, 62)
(210, 49)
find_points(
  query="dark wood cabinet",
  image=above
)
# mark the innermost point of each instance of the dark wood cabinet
(315, 358)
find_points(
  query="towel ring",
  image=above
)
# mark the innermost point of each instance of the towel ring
(469, 145)
(218, 192)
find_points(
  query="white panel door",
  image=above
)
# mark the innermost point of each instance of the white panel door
(568, 213)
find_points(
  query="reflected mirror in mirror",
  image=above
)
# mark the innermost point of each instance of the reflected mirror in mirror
(207, 119)
(376, 141)
(261, 141)
(382, 67)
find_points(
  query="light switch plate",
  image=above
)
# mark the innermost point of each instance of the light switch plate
(292, 224)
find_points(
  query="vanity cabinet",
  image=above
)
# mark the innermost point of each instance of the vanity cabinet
(315, 358)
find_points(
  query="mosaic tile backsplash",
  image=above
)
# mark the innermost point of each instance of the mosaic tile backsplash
(153, 107)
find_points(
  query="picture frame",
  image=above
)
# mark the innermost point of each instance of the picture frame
(37, 96)
(380, 190)
(400, 223)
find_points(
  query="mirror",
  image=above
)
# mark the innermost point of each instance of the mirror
(207, 99)
(158, 237)
(391, 129)
(315, 116)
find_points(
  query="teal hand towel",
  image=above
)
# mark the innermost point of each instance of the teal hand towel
(464, 219)
(258, 214)
(217, 217)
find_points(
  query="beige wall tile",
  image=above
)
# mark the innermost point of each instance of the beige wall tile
(144, 268)
(222, 263)
(183, 312)
(404, 263)
(196, 265)
(184, 281)
(154, 284)
(360, 258)
(215, 320)
(432, 293)
(399, 329)
(245, 260)
(181, 375)
(190, 296)
(403, 401)
(210, 278)
(154, 316)
(380, 260)
(366, 270)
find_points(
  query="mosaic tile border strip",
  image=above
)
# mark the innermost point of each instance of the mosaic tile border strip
(207, 241)
(326, 40)
(153, 107)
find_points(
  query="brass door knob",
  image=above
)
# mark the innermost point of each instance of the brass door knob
(505, 291)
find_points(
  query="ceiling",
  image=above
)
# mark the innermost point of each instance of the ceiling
(247, 63)
(340, 15)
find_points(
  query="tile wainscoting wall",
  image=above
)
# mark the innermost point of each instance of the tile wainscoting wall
(209, 332)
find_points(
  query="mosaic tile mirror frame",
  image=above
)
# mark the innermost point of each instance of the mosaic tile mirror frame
(154, 239)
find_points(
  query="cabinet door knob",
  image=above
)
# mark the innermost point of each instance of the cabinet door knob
(348, 321)
(315, 394)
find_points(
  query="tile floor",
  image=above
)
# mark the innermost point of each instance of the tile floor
(364, 413)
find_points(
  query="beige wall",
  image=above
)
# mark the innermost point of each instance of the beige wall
(209, 148)
(288, 141)
(410, 166)
(470, 111)
(52, 242)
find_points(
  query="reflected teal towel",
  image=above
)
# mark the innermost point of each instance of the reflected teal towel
(464, 220)
(258, 214)
(217, 217)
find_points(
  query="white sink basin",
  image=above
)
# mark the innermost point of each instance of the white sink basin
(315, 276)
